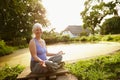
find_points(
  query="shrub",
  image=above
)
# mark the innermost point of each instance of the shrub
(94, 38)
(51, 40)
(65, 38)
(4, 49)
(10, 73)
(76, 39)
(107, 38)
(116, 38)
(83, 38)
(100, 68)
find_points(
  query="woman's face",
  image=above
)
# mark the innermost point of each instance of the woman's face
(38, 31)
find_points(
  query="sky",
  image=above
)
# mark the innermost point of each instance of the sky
(62, 13)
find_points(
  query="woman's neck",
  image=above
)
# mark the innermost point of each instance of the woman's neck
(38, 37)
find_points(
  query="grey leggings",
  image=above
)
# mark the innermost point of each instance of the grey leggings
(51, 63)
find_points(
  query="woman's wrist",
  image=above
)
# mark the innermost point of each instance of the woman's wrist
(40, 60)
(42, 63)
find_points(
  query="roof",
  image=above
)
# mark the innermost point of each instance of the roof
(74, 29)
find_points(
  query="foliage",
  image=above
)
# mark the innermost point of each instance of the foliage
(50, 37)
(65, 38)
(107, 38)
(10, 73)
(94, 38)
(17, 18)
(114, 38)
(84, 33)
(95, 11)
(4, 49)
(100, 68)
(53, 37)
(83, 38)
(111, 38)
(111, 26)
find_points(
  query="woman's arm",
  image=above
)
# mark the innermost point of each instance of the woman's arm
(48, 54)
(51, 54)
(32, 48)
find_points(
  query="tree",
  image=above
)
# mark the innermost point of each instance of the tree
(17, 18)
(95, 11)
(111, 26)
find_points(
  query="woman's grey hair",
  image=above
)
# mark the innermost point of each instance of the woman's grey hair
(36, 25)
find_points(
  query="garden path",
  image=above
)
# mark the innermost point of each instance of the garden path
(72, 52)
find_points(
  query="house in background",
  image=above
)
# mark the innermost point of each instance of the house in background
(73, 30)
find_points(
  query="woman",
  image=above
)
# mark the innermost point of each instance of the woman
(37, 47)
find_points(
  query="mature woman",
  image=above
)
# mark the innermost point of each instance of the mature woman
(39, 62)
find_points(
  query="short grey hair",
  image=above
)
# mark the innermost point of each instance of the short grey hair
(36, 25)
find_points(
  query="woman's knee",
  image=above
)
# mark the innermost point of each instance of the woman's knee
(39, 69)
(58, 58)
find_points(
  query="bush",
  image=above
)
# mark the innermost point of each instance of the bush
(10, 73)
(65, 38)
(94, 38)
(107, 38)
(83, 38)
(51, 40)
(4, 49)
(100, 68)
(116, 38)
(76, 39)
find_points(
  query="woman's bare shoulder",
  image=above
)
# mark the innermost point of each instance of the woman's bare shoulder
(31, 41)
(42, 40)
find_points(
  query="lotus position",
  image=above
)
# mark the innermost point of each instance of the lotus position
(37, 46)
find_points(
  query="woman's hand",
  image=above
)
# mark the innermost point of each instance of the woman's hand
(42, 63)
(60, 53)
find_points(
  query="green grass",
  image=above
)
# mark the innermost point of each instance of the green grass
(10, 73)
(100, 68)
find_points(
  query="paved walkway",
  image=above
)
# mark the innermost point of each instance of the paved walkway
(73, 52)
(88, 50)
